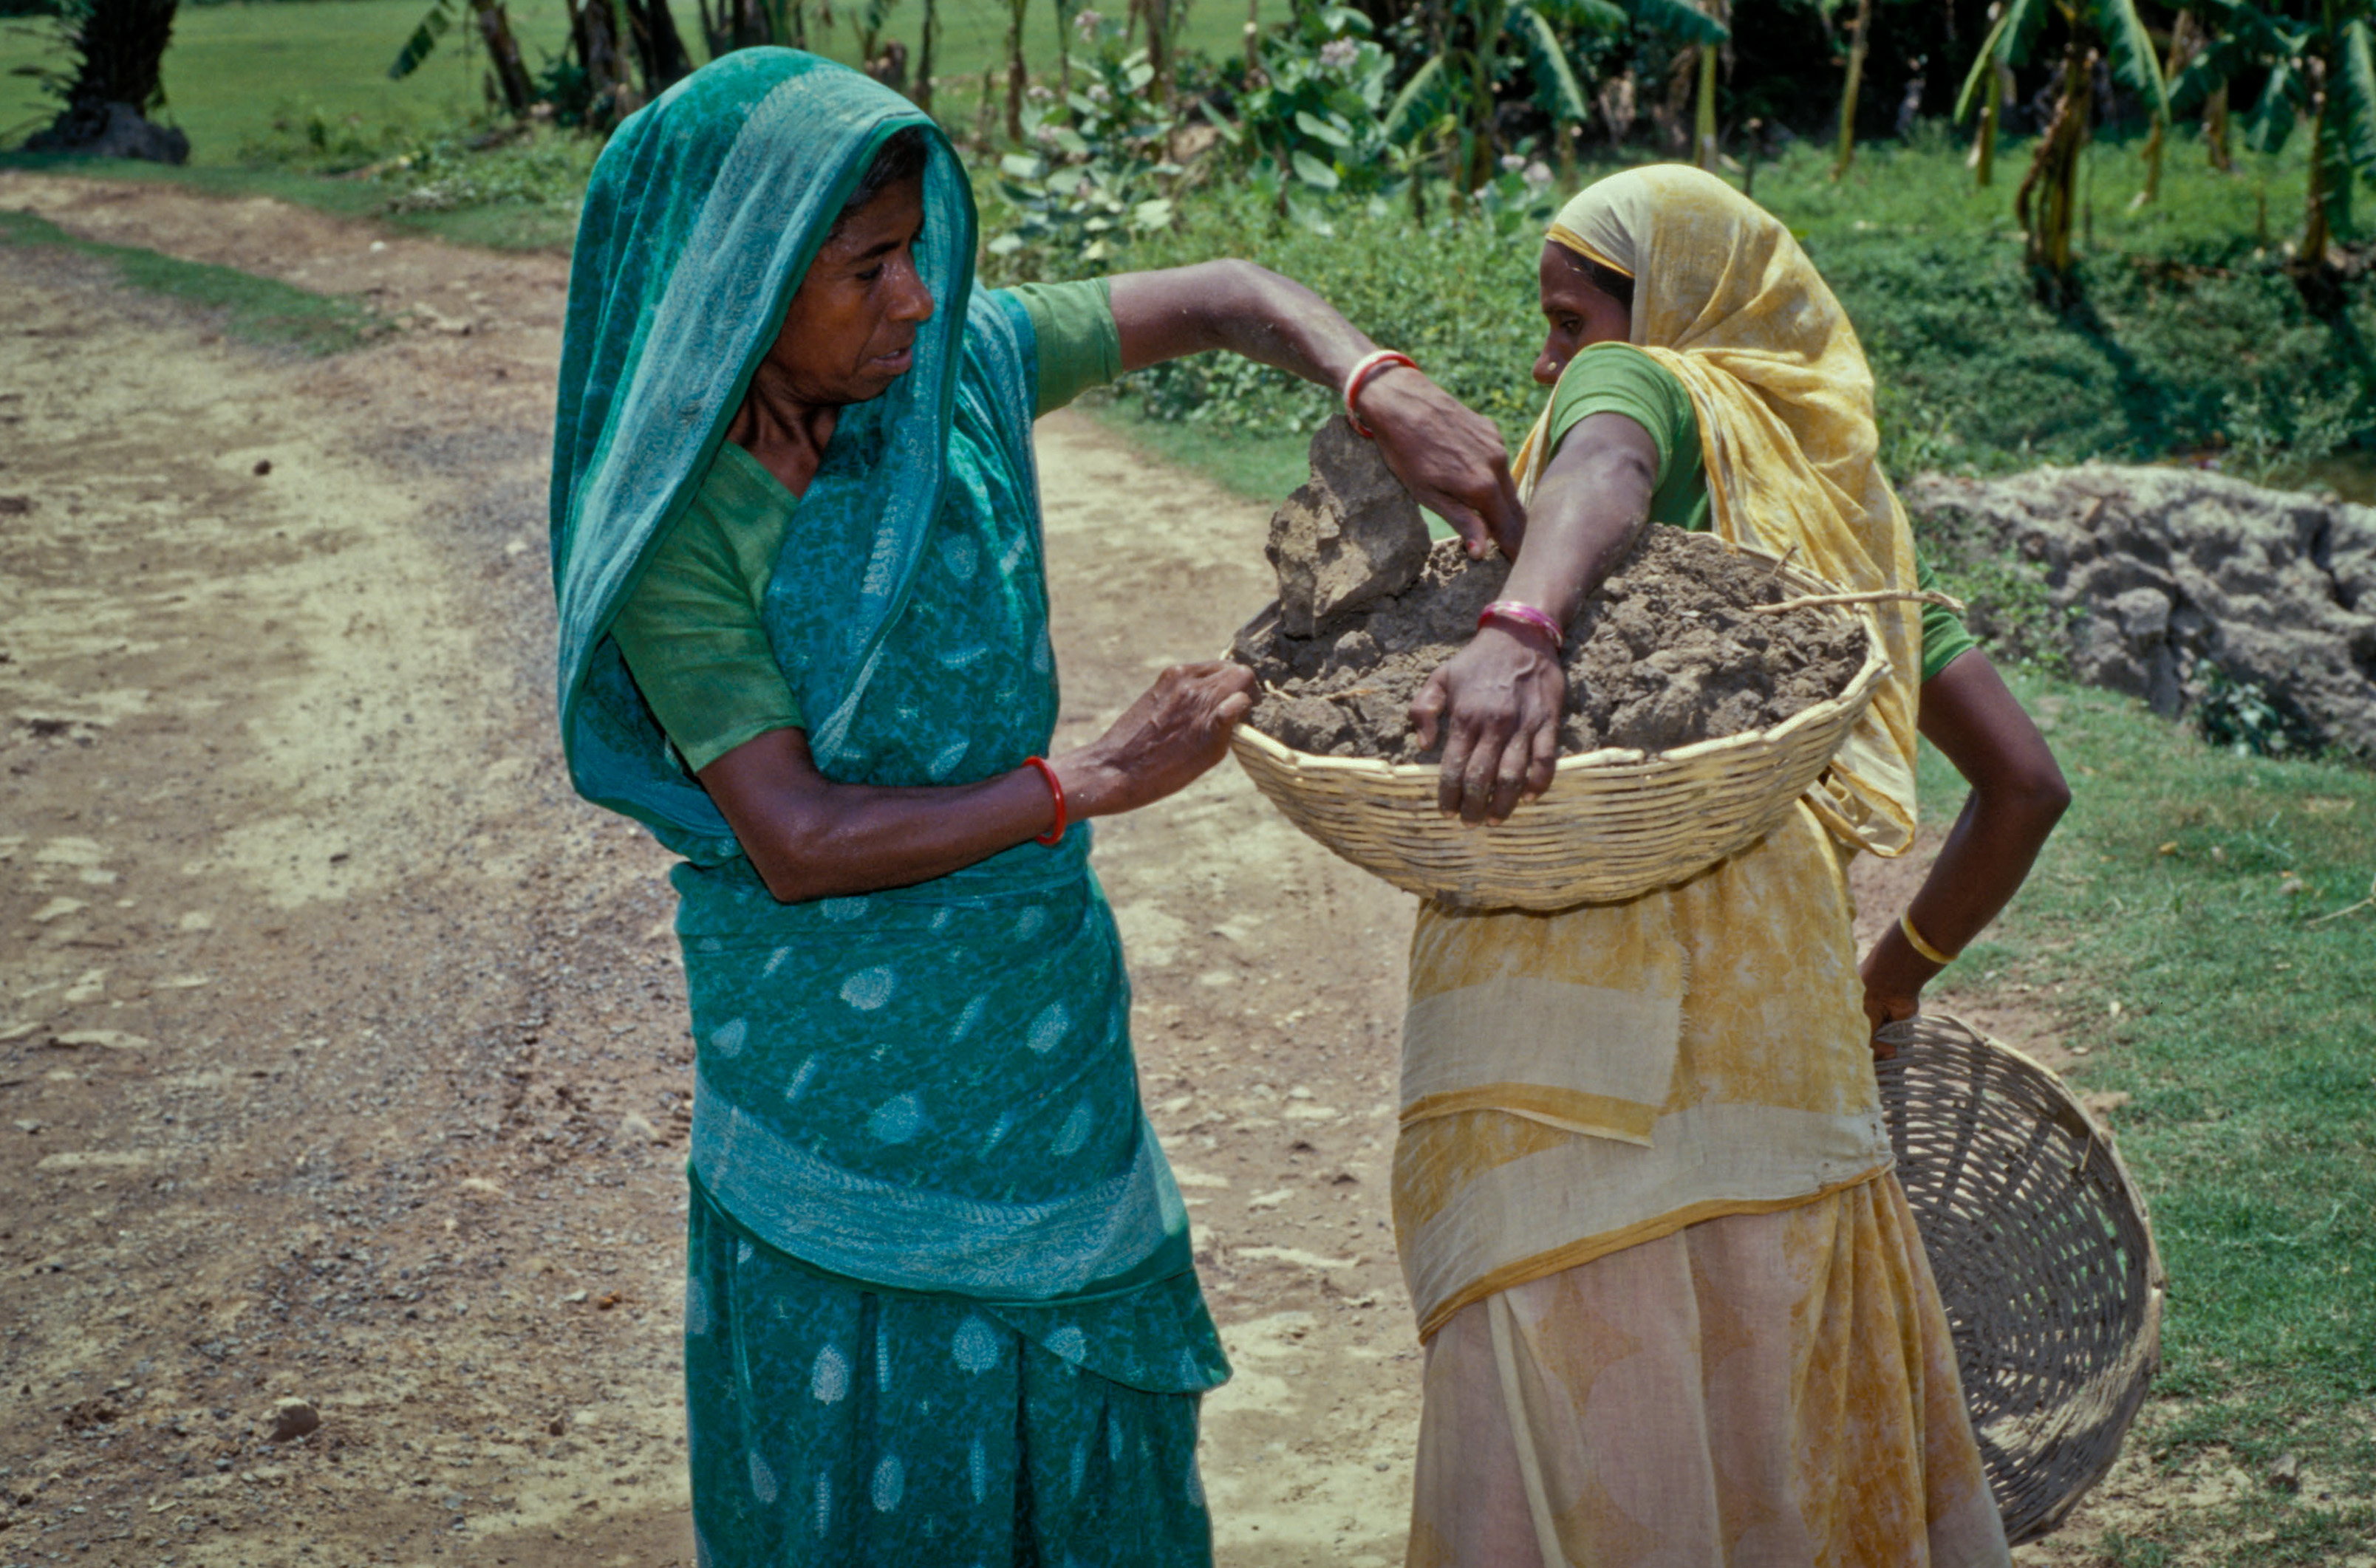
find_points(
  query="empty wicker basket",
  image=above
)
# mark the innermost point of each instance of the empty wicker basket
(2044, 1256)
(1614, 823)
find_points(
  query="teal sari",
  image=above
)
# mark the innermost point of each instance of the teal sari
(940, 1303)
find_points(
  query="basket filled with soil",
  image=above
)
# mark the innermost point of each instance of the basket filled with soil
(1702, 699)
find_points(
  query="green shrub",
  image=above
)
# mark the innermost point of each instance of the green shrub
(2190, 336)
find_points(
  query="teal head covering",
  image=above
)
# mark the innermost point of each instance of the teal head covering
(704, 213)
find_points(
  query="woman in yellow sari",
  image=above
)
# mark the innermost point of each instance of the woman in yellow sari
(1675, 1308)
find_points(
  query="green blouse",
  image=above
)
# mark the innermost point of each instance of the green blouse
(692, 632)
(1610, 378)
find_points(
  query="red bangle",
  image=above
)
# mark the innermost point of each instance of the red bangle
(1525, 615)
(1054, 835)
(1355, 379)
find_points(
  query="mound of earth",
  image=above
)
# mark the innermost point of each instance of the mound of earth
(1668, 653)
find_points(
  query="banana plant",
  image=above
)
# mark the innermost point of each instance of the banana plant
(2093, 30)
(1457, 80)
(495, 28)
(2320, 60)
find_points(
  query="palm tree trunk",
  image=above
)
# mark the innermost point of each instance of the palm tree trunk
(2053, 173)
(2182, 43)
(1848, 97)
(2214, 131)
(1983, 158)
(2323, 186)
(931, 31)
(1704, 118)
(502, 51)
(1016, 70)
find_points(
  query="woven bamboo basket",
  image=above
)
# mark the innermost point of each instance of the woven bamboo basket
(1614, 823)
(2044, 1255)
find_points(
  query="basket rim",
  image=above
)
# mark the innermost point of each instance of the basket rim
(1614, 761)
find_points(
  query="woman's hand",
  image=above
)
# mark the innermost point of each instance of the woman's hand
(1497, 703)
(1894, 975)
(1451, 459)
(1169, 735)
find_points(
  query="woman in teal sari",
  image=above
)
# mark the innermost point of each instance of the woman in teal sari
(941, 1306)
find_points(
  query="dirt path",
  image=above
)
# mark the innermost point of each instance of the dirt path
(344, 1048)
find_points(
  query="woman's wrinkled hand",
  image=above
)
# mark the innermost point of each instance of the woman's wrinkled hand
(1179, 729)
(1497, 705)
(1451, 459)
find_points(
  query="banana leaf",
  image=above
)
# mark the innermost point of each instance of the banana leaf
(424, 42)
(2129, 51)
(1553, 78)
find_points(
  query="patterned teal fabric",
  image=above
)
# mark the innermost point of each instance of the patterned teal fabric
(917, 1106)
(989, 1448)
(702, 216)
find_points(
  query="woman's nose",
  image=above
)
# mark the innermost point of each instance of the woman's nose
(912, 301)
(1548, 365)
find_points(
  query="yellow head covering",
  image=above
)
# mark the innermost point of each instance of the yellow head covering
(1725, 298)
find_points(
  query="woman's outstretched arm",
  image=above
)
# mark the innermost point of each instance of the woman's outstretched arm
(1451, 460)
(811, 838)
(2018, 796)
(1498, 700)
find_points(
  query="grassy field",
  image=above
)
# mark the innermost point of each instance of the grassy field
(2184, 930)
(257, 310)
(234, 69)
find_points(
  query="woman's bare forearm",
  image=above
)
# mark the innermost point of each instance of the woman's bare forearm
(810, 838)
(1236, 306)
(1590, 507)
(2018, 795)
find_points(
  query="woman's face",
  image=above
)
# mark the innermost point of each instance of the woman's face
(1576, 315)
(850, 329)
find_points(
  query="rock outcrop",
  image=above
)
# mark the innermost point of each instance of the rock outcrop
(2153, 578)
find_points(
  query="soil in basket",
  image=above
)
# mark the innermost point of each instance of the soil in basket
(1666, 654)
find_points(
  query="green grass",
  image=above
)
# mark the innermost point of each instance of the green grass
(2244, 1037)
(257, 310)
(234, 68)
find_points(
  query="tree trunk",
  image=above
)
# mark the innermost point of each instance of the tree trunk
(2214, 131)
(2053, 173)
(926, 47)
(1846, 153)
(2329, 185)
(511, 79)
(2183, 45)
(594, 30)
(1254, 31)
(1983, 158)
(1703, 152)
(1159, 48)
(1017, 72)
(659, 48)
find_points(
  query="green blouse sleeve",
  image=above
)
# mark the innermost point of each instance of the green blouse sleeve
(690, 632)
(1616, 378)
(1944, 636)
(1079, 345)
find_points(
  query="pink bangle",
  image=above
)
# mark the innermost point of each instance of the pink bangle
(1056, 832)
(1363, 368)
(1525, 615)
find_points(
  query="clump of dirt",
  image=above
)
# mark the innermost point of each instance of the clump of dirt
(1668, 653)
(1348, 537)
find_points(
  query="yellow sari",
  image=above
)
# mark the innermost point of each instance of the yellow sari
(1676, 1312)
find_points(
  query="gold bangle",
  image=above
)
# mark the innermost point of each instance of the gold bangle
(1914, 937)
